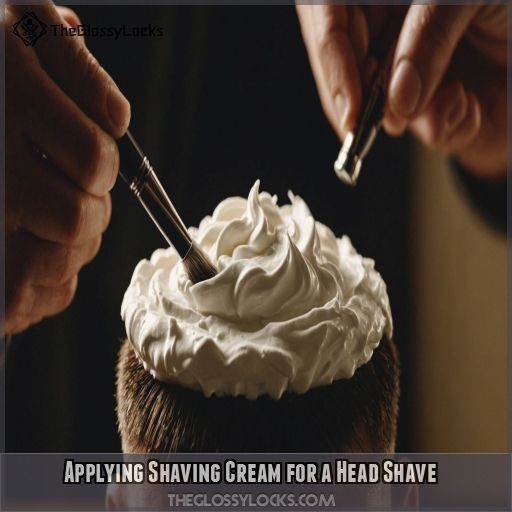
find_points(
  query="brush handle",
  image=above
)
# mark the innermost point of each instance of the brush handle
(358, 143)
(374, 99)
(137, 172)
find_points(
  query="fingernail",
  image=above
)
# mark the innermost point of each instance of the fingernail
(405, 88)
(118, 108)
(340, 106)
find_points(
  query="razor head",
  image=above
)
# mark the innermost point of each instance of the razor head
(348, 164)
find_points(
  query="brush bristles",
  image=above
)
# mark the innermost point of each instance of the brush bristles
(198, 265)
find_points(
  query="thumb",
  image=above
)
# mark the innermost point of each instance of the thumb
(427, 41)
(77, 72)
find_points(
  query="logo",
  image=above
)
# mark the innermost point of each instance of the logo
(29, 29)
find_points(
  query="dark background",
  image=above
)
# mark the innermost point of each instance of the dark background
(225, 96)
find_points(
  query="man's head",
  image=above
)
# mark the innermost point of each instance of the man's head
(350, 415)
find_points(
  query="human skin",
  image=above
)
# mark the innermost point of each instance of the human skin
(448, 76)
(63, 113)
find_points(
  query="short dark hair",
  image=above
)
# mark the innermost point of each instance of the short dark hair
(349, 415)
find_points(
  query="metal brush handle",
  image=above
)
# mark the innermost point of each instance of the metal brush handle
(358, 143)
(136, 170)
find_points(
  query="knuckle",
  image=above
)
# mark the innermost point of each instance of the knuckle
(329, 24)
(76, 219)
(92, 68)
(93, 249)
(326, 36)
(71, 260)
(100, 160)
(65, 267)
(89, 67)
(93, 77)
(68, 291)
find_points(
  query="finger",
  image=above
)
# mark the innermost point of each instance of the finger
(71, 140)
(358, 34)
(47, 301)
(78, 73)
(333, 61)
(489, 32)
(17, 324)
(71, 18)
(304, 13)
(52, 300)
(47, 263)
(428, 38)
(394, 125)
(452, 120)
(43, 201)
(465, 132)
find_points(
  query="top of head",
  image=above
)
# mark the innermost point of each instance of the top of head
(291, 308)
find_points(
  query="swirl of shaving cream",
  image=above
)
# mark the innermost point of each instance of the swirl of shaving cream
(291, 308)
